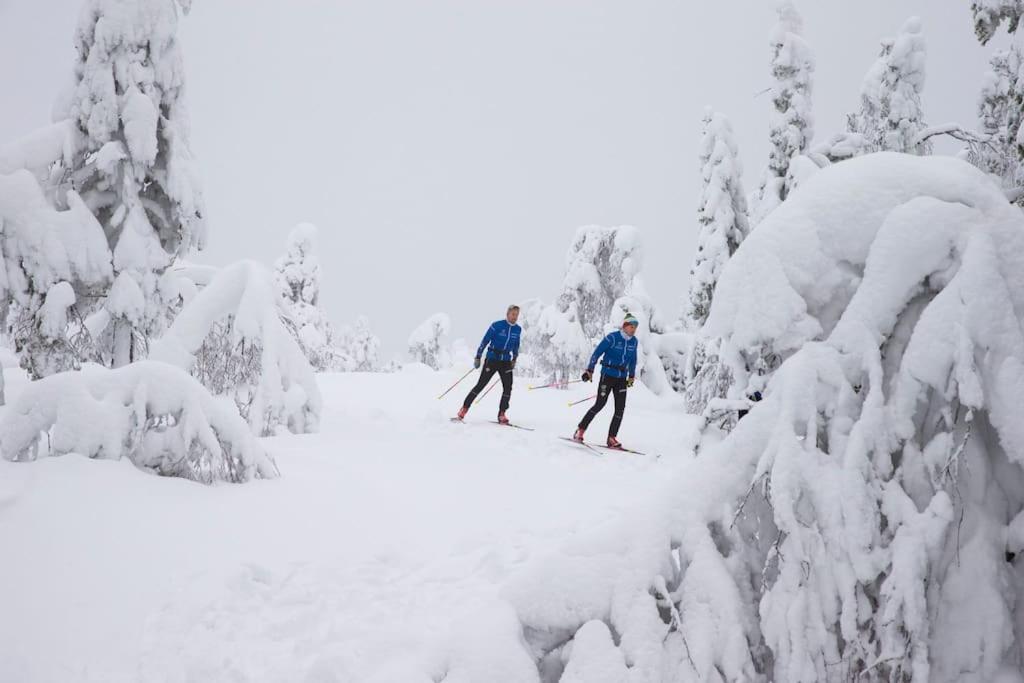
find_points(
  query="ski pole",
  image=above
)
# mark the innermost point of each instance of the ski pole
(554, 384)
(486, 391)
(582, 400)
(459, 381)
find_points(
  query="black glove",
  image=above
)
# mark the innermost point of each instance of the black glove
(629, 382)
(476, 362)
(512, 365)
(587, 375)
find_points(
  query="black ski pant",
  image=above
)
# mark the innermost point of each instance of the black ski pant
(504, 370)
(616, 386)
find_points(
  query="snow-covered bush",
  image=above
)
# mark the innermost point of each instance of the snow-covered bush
(50, 258)
(152, 413)
(790, 122)
(297, 276)
(231, 337)
(721, 216)
(131, 163)
(428, 342)
(862, 521)
(890, 117)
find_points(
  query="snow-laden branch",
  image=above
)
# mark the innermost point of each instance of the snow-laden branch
(953, 130)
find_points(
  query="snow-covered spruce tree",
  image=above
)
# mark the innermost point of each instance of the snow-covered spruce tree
(531, 342)
(990, 14)
(721, 216)
(428, 342)
(297, 276)
(599, 268)
(133, 166)
(864, 521)
(890, 117)
(51, 260)
(151, 413)
(232, 338)
(602, 267)
(790, 123)
(360, 347)
(558, 343)
(999, 115)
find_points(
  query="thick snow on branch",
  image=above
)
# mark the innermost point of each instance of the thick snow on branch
(230, 336)
(150, 412)
(50, 259)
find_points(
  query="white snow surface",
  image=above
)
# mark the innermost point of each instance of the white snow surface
(395, 546)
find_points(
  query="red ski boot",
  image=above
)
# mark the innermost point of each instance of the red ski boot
(462, 413)
(502, 420)
(614, 443)
(578, 436)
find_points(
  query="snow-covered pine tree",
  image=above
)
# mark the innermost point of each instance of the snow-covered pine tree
(133, 166)
(721, 215)
(427, 343)
(890, 116)
(990, 14)
(558, 343)
(361, 347)
(599, 268)
(297, 275)
(790, 123)
(999, 115)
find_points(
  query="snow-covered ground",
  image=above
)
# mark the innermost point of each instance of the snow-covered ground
(380, 554)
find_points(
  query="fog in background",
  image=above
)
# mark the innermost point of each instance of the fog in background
(448, 149)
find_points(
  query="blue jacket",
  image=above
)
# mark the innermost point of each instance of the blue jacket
(619, 355)
(504, 341)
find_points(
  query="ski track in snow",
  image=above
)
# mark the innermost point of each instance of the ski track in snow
(389, 534)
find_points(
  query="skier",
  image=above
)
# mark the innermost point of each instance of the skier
(618, 371)
(503, 338)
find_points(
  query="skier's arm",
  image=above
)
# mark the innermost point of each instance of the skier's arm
(486, 340)
(632, 363)
(598, 352)
(515, 347)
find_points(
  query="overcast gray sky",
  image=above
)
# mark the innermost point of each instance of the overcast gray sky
(448, 149)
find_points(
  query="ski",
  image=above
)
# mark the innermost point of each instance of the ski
(529, 429)
(582, 443)
(593, 446)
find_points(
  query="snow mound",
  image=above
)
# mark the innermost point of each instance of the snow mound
(150, 412)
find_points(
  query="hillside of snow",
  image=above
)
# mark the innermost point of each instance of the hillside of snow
(385, 551)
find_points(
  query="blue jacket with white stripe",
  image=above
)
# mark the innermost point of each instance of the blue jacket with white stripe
(619, 353)
(503, 338)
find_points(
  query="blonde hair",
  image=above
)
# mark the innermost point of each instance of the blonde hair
(511, 308)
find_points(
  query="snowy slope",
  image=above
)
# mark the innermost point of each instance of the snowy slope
(384, 552)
